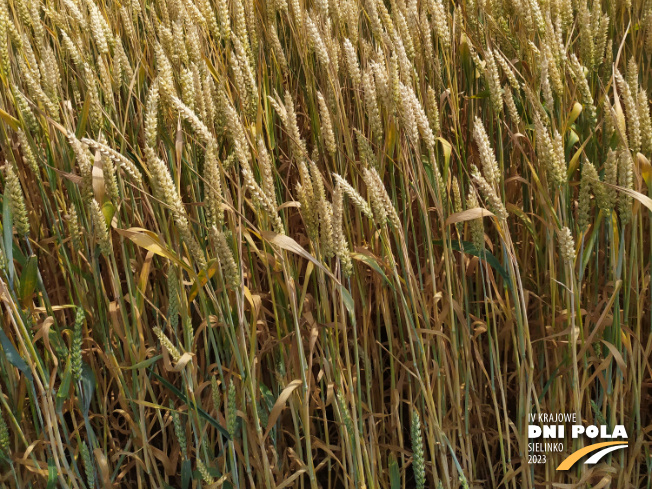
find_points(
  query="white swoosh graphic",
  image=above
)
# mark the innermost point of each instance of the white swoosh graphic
(595, 458)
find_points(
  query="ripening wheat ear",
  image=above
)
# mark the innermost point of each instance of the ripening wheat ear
(365, 150)
(277, 47)
(326, 125)
(213, 187)
(203, 471)
(477, 225)
(73, 228)
(316, 42)
(646, 122)
(235, 130)
(341, 246)
(26, 111)
(325, 211)
(384, 211)
(306, 195)
(16, 199)
(566, 245)
(298, 145)
(225, 256)
(162, 180)
(167, 192)
(577, 73)
(584, 200)
(246, 78)
(261, 199)
(507, 69)
(187, 88)
(625, 180)
(490, 168)
(493, 82)
(353, 195)
(165, 341)
(266, 170)
(109, 176)
(422, 121)
(633, 122)
(117, 158)
(151, 114)
(406, 114)
(188, 114)
(551, 154)
(352, 64)
(101, 231)
(511, 105)
(37, 92)
(433, 110)
(371, 102)
(489, 193)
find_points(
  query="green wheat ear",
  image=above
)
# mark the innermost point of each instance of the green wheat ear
(418, 461)
(89, 469)
(231, 410)
(215, 394)
(179, 431)
(4, 438)
(76, 348)
(345, 415)
(173, 297)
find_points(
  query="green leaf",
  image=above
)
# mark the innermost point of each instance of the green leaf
(108, 209)
(52, 474)
(186, 474)
(150, 241)
(573, 139)
(14, 357)
(266, 395)
(372, 263)
(9, 120)
(8, 238)
(592, 238)
(19, 256)
(447, 149)
(394, 475)
(88, 387)
(485, 255)
(201, 412)
(144, 363)
(64, 388)
(287, 243)
(348, 302)
(28, 280)
(512, 209)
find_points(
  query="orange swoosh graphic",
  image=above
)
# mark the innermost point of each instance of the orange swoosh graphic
(574, 457)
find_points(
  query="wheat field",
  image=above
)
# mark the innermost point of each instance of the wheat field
(322, 243)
